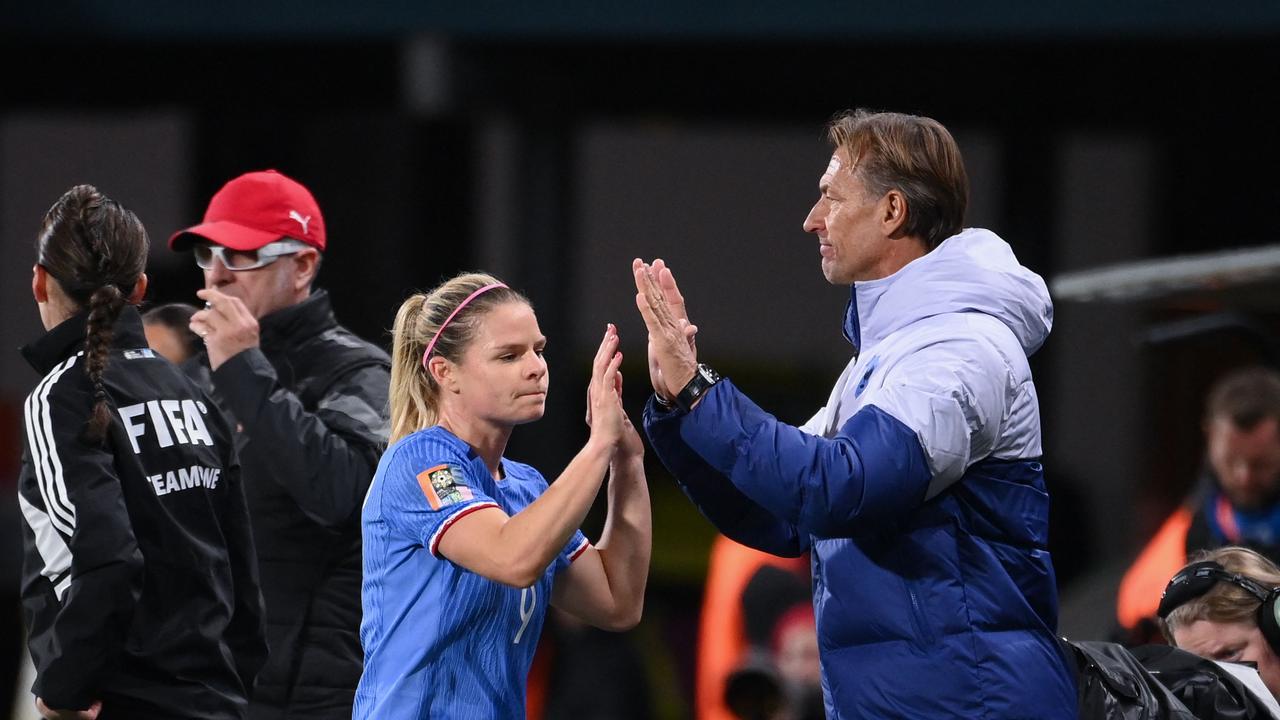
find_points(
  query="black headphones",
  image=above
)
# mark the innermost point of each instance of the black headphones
(1199, 578)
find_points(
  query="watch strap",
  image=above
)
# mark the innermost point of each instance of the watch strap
(704, 378)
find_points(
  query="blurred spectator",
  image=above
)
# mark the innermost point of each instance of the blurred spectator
(781, 678)
(723, 643)
(169, 333)
(1235, 502)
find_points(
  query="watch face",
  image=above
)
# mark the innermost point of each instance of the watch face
(708, 374)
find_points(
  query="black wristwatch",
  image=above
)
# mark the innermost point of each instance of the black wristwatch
(703, 380)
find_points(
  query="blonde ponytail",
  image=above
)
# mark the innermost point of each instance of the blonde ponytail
(412, 400)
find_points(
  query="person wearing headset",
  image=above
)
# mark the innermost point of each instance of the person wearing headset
(1222, 606)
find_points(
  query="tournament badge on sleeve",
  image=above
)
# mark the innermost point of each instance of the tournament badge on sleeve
(441, 487)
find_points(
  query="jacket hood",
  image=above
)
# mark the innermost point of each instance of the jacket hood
(972, 271)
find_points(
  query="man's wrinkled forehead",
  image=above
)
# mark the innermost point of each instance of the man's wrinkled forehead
(833, 167)
(838, 165)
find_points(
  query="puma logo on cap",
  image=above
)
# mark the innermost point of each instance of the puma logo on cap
(295, 215)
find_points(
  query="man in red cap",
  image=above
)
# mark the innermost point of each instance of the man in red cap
(308, 399)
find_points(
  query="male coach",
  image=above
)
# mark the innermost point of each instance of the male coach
(309, 402)
(918, 487)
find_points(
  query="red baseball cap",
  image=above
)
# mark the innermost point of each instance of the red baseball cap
(255, 209)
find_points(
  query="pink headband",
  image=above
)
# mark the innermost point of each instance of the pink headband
(432, 345)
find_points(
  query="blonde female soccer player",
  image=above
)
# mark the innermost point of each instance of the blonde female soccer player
(464, 548)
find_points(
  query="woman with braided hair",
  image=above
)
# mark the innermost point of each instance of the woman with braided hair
(139, 583)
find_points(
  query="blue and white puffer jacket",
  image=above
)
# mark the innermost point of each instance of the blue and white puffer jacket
(918, 488)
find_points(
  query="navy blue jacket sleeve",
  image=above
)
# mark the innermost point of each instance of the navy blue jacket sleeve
(873, 470)
(732, 512)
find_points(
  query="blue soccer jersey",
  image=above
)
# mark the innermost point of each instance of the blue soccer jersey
(441, 641)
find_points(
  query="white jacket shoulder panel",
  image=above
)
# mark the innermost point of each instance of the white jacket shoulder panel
(944, 345)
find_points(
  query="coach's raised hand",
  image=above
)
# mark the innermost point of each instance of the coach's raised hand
(673, 354)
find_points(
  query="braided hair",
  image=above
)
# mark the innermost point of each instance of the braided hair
(97, 250)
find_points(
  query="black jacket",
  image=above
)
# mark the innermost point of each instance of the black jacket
(1156, 682)
(310, 411)
(139, 583)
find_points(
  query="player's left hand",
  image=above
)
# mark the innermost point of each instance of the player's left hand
(225, 323)
(49, 713)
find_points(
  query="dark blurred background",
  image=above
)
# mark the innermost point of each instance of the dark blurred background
(551, 142)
